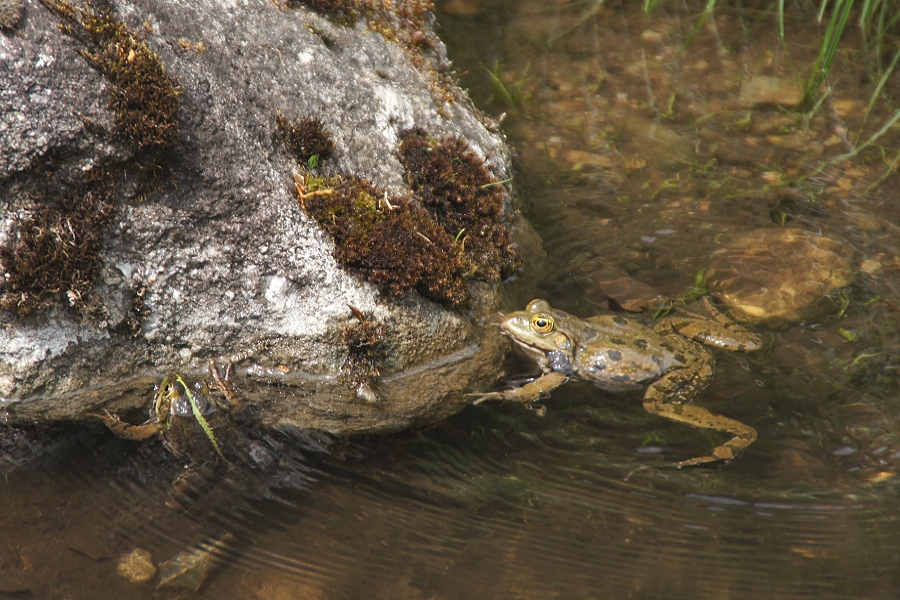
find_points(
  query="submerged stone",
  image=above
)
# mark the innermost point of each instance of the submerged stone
(761, 90)
(136, 566)
(778, 276)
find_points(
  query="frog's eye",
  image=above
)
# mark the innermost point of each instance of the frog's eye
(542, 323)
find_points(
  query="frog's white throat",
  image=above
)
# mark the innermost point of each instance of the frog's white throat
(534, 354)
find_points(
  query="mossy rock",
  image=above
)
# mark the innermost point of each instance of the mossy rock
(193, 243)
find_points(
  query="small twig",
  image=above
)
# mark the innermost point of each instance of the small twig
(357, 313)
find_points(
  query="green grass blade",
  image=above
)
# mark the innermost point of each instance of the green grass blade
(195, 408)
(881, 83)
(700, 22)
(836, 25)
(781, 20)
(869, 141)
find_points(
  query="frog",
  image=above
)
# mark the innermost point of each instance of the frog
(668, 357)
(205, 430)
(192, 424)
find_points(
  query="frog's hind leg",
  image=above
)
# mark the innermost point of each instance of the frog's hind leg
(720, 331)
(669, 398)
(188, 488)
(697, 416)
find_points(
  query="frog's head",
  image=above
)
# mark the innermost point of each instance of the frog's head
(173, 398)
(536, 331)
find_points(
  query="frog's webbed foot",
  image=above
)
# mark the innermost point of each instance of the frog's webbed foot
(478, 398)
(189, 487)
(224, 385)
(137, 433)
(724, 452)
(526, 394)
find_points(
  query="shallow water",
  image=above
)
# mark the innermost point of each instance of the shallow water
(637, 160)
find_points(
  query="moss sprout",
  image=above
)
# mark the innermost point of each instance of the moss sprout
(304, 137)
(54, 251)
(141, 95)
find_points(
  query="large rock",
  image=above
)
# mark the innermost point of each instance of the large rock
(208, 253)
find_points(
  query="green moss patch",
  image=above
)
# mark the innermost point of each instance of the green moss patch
(54, 251)
(141, 95)
(389, 241)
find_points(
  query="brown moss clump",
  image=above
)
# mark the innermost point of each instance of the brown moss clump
(389, 241)
(141, 95)
(11, 13)
(452, 182)
(450, 234)
(55, 250)
(304, 137)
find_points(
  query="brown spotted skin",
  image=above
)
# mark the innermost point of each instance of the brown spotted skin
(617, 353)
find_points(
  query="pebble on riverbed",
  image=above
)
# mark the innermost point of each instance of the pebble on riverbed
(136, 566)
(770, 91)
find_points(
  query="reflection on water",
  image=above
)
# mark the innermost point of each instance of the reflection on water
(640, 157)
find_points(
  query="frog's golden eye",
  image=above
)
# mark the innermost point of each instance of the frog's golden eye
(542, 323)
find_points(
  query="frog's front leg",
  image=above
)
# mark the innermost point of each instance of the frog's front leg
(527, 393)
(137, 433)
(665, 397)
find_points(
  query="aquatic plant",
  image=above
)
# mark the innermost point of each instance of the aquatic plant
(514, 94)
(822, 67)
